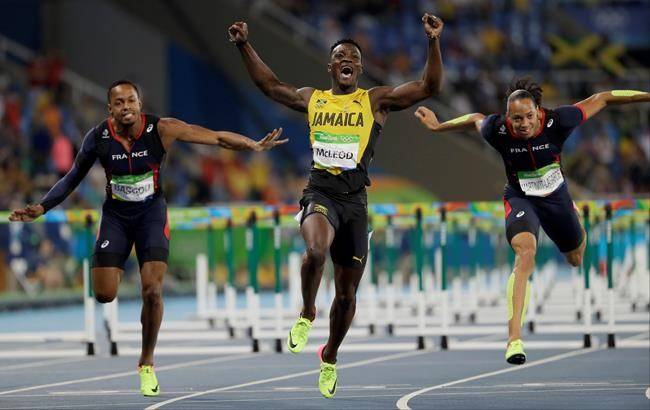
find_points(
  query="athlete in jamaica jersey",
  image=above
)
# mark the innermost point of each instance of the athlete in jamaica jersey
(131, 146)
(345, 123)
(529, 139)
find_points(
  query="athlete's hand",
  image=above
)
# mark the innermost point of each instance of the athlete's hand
(432, 25)
(238, 32)
(427, 118)
(27, 214)
(270, 141)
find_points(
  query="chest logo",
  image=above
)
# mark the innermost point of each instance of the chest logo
(135, 154)
(320, 103)
(338, 119)
(550, 122)
(502, 129)
(105, 133)
(150, 127)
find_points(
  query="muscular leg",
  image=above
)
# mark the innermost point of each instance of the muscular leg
(151, 274)
(105, 283)
(524, 244)
(346, 282)
(574, 257)
(318, 234)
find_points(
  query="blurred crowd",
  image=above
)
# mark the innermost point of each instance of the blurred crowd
(485, 45)
(42, 127)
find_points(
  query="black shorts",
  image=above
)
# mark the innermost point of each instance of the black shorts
(348, 214)
(556, 214)
(145, 225)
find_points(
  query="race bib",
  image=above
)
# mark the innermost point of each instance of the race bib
(541, 182)
(132, 188)
(335, 150)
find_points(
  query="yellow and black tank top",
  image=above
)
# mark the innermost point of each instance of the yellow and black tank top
(342, 133)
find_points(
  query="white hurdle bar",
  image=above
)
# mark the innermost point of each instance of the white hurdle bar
(85, 336)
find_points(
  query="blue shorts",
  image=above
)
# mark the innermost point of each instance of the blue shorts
(145, 225)
(556, 214)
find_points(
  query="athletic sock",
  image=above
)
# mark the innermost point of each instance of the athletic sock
(509, 294)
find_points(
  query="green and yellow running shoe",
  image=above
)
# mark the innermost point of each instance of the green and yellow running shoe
(327, 378)
(298, 335)
(148, 381)
(515, 352)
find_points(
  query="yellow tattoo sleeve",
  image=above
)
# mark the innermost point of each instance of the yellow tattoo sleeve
(626, 93)
(460, 119)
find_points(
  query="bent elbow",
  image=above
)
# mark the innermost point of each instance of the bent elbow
(433, 88)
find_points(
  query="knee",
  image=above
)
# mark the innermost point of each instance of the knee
(574, 258)
(104, 297)
(526, 256)
(346, 300)
(151, 293)
(315, 255)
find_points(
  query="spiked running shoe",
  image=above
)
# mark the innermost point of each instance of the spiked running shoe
(515, 352)
(327, 378)
(148, 381)
(298, 335)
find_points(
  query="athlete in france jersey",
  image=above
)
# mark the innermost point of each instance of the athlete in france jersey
(134, 211)
(345, 122)
(131, 147)
(529, 139)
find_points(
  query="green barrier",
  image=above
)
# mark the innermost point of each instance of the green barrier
(251, 248)
(418, 246)
(586, 260)
(443, 268)
(391, 250)
(586, 265)
(90, 242)
(277, 252)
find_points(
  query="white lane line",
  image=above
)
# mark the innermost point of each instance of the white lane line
(402, 403)
(290, 376)
(130, 373)
(40, 363)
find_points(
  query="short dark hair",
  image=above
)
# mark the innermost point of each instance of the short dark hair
(345, 41)
(525, 87)
(121, 82)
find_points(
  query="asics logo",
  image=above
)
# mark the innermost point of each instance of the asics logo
(150, 127)
(104, 244)
(520, 214)
(550, 122)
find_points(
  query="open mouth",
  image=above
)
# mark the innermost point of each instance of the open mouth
(346, 72)
(128, 116)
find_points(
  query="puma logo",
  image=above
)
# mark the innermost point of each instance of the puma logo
(357, 258)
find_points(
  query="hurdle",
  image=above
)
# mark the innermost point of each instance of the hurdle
(85, 336)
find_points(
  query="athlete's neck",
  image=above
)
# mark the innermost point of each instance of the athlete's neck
(129, 131)
(338, 89)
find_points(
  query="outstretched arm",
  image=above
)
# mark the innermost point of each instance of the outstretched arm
(403, 96)
(592, 105)
(264, 78)
(429, 120)
(64, 187)
(171, 129)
